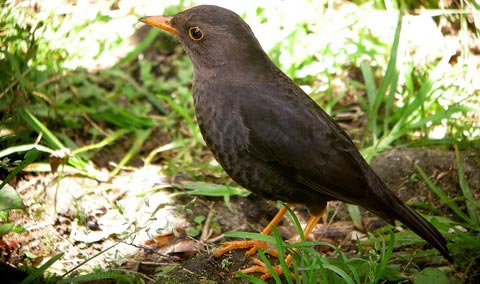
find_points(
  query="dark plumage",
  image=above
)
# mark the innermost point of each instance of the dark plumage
(267, 134)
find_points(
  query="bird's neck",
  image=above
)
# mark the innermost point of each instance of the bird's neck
(257, 69)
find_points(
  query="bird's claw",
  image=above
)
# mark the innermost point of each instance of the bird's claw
(259, 266)
(252, 245)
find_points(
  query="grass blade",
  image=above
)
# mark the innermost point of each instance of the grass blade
(450, 203)
(248, 235)
(385, 256)
(30, 156)
(41, 270)
(24, 148)
(109, 139)
(296, 222)
(281, 255)
(467, 193)
(250, 278)
(269, 266)
(354, 212)
(38, 126)
(344, 275)
(33, 122)
(141, 136)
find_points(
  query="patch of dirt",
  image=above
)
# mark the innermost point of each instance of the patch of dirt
(397, 168)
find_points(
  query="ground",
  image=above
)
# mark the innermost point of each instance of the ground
(81, 217)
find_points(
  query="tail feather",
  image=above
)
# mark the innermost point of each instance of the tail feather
(422, 227)
(391, 208)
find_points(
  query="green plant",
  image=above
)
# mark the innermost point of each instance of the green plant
(310, 266)
(9, 198)
(465, 243)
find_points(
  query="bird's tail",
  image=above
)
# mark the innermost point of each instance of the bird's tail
(421, 227)
(394, 209)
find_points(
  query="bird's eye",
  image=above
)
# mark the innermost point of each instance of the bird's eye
(195, 33)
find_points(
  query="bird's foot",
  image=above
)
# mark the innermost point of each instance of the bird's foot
(253, 246)
(259, 266)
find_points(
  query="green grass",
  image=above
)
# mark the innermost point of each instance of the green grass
(311, 266)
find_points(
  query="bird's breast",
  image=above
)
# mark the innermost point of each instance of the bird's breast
(221, 126)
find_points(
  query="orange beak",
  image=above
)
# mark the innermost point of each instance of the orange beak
(161, 22)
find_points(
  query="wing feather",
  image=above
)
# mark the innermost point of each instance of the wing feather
(294, 132)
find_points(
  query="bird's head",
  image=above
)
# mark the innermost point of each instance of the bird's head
(214, 38)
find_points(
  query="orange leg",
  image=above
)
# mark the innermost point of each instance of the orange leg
(261, 267)
(254, 245)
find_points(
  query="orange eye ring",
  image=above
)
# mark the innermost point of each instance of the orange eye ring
(195, 33)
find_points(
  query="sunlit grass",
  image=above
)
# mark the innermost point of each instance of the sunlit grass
(418, 98)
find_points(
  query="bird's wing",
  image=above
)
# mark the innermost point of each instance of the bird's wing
(287, 128)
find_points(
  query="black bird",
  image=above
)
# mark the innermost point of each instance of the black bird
(271, 137)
